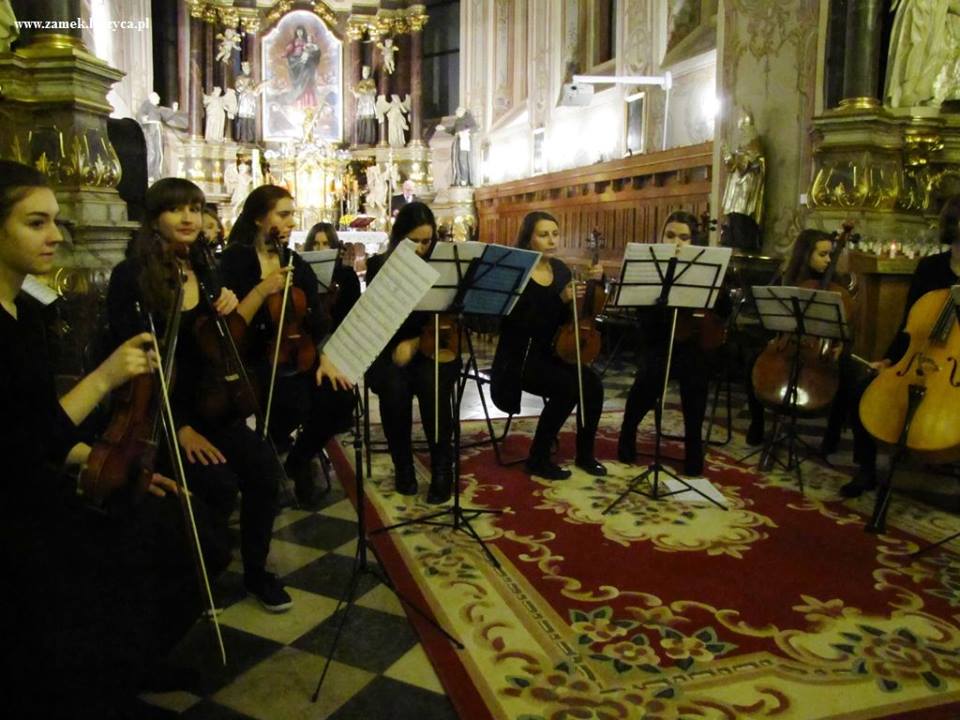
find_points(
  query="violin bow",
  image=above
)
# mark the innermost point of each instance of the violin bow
(170, 428)
(276, 347)
(576, 335)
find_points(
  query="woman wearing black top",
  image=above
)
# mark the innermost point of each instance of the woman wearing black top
(690, 365)
(94, 598)
(935, 272)
(525, 359)
(222, 454)
(401, 372)
(323, 236)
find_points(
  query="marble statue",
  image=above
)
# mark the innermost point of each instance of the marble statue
(248, 99)
(239, 183)
(8, 26)
(365, 92)
(388, 50)
(395, 113)
(218, 107)
(924, 56)
(742, 201)
(460, 126)
(152, 116)
(229, 44)
(377, 189)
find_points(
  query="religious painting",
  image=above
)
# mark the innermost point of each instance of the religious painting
(303, 70)
(634, 125)
(691, 29)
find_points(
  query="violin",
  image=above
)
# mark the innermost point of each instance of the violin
(293, 346)
(226, 391)
(819, 376)
(447, 342)
(582, 329)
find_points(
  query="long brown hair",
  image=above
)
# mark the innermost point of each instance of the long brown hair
(150, 253)
(16, 182)
(256, 207)
(798, 267)
(530, 220)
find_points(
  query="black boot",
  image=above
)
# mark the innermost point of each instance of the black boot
(406, 479)
(543, 467)
(865, 479)
(590, 466)
(755, 432)
(441, 483)
(301, 472)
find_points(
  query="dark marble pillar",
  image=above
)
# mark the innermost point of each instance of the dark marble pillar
(252, 47)
(183, 54)
(65, 11)
(208, 57)
(195, 107)
(861, 64)
(416, 79)
(353, 63)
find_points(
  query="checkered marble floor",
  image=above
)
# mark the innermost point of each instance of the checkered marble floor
(380, 671)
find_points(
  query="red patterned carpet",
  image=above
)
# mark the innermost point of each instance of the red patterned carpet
(779, 607)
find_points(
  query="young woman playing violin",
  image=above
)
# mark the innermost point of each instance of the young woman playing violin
(690, 365)
(525, 358)
(809, 260)
(402, 371)
(935, 272)
(255, 265)
(346, 285)
(94, 597)
(222, 453)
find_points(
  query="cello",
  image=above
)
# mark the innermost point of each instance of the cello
(819, 375)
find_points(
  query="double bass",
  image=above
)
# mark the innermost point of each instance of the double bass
(819, 375)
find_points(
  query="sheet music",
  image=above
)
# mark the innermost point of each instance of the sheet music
(395, 291)
(38, 290)
(697, 279)
(444, 260)
(686, 495)
(322, 263)
(823, 313)
(501, 275)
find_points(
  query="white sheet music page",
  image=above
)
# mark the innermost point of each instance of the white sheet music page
(823, 312)
(640, 282)
(322, 263)
(378, 314)
(698, 276)
(444, 259)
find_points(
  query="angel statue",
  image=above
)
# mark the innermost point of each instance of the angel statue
(388, 50)
(394, 111)
(229, 44)
(924, 53)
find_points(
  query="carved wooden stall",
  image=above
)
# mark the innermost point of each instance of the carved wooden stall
(626, 200)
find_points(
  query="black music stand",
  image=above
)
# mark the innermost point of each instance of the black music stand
(667, 277)
(487, 283)
(360, 564)
(803, 313)
(878, 521)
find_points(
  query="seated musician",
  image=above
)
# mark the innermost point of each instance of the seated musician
(691, 364)
(525, 359)
(323, 236)
(401, 372)
(94, 597)
(222, 453)
(935, 272)
(808, 261)
(254, 266)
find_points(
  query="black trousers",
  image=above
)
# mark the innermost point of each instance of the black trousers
(556, 382)
(396, 387)
(94, 600)
(319, 411)
(691, 366)
(252, 470)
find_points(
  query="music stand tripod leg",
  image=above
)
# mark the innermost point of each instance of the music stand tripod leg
(360, 563)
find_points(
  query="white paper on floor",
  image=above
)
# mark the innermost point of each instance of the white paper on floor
(684, 494)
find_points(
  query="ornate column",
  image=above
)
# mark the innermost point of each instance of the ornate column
(417, 22)
(196, 80)
(252, 43)
(861, 62)
(208, 57)
(353, 64)
(56, 10)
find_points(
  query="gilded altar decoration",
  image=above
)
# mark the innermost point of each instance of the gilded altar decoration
(82, 159)
(301, 60)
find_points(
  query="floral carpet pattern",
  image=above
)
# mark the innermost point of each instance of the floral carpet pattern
(779, 606)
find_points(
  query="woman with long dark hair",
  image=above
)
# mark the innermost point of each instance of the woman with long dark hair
(222, 453)
(690, 364)
(401, 372)
(96, 596)
(254, 265)
(525, 358)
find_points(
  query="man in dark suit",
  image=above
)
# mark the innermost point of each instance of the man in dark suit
(398, 201)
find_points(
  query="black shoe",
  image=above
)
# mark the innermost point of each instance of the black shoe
(755, 433)
(546, 469)
(626, 452)
(269, 591)
(303, 483)
(406, 480)
(591, 466)
(864, 480)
